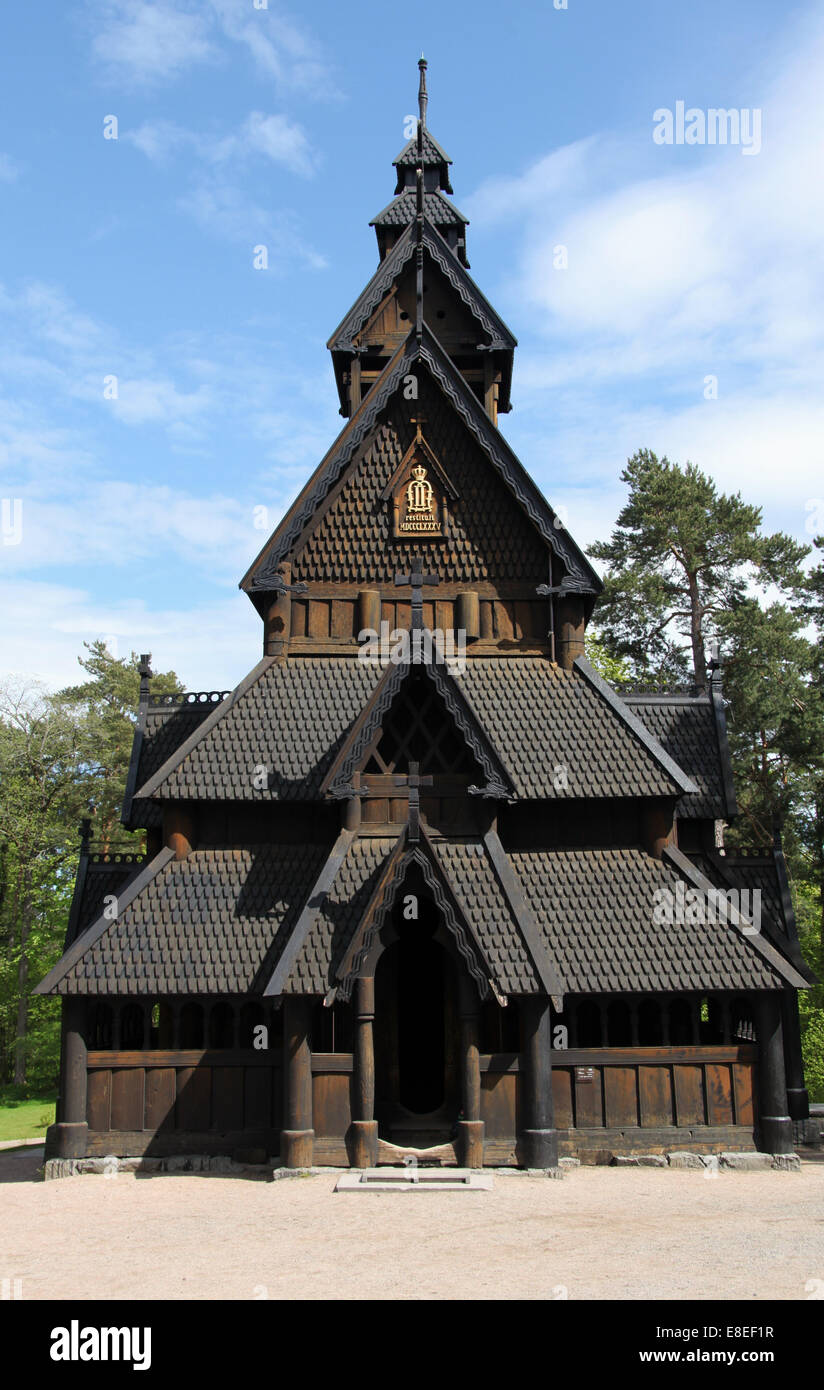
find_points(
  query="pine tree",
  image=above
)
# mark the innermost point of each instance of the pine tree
(680, 557)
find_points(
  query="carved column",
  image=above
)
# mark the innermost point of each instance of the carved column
(775, 1128)
(471, 1128)
(68, 1138)
(569, 640)
(179, 830)
(277, 624)
(538, 1140)
(298, 1137)
(363, 1145)
(797, 1097)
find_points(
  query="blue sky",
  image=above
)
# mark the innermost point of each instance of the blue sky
(240, 126)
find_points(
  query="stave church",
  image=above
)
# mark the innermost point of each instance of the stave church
(424, 883)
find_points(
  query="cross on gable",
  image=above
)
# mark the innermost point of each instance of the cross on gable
(413, 782)
(416, 580)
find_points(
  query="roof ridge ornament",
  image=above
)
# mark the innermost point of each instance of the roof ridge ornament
(423, 98)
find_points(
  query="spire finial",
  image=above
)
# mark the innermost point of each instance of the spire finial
(423, 99)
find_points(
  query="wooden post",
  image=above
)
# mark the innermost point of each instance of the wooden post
(67, 1139)
(369, 610)
(797, 1097)
(468, 614)
(179, 830)
(298, 1137)
(470, 1144)
(363, 1137)
(658, 826)
(277, 625)
(775, 1128)
(570, 632)
(538, 1140)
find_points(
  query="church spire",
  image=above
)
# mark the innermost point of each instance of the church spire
(391, 222)
(423, 99)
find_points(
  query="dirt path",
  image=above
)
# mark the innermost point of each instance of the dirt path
(600, 1233)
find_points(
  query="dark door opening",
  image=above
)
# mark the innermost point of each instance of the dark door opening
(421, 1050)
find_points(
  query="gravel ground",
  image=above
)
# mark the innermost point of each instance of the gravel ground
(598, 1233)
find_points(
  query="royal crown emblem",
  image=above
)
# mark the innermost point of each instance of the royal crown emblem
(419, 491)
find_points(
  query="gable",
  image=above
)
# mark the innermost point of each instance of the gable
(490, 540)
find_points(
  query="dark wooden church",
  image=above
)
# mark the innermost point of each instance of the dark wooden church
(424, 881)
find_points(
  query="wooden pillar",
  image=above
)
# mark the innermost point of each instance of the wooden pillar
(369, 610)
(569, 637)
(468, 613)
(67, 1139)
(470, 1144)
(363, 1134)
(277, 625)
(775, 1128)
(487, 620)
(798, 1101)
(657, 826)
(298, 1136)
(538, 1140)
(179, 829)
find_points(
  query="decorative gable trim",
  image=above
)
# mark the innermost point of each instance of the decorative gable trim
(500, 337)
(358, 744)
(581, 576)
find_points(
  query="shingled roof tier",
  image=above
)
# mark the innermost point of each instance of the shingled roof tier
(403, 209)
(596, 909)
(580, 746)
(212, 923)
(298, 524)
(274, 738)
(163, 727)
(686, 726)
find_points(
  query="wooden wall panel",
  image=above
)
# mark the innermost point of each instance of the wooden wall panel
(504, 621)
(499, 1104)
(343, 618)
(719, 1094)
(227, 1097)
(98, 1100)
(742, 1075)
(655, 1096)
(562, 1097)
(589, 1104)
(194, 1097)
(331, 1107)
(257, 1103)
(319, 617)
(300, 609)
(160, 1097)
(620, 1096)
(689, 1096)
(127, 1098)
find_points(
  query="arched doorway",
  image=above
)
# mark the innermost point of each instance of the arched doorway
(416, 1029)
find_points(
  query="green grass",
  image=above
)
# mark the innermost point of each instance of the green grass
(23, 1116)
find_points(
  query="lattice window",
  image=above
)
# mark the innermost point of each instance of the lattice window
(419, 728)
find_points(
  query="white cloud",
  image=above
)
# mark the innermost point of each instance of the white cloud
(211, 647)
(147, 43)
(682, 264)
(8, 169)
(150, 42)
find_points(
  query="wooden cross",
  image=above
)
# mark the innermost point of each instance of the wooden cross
(416, 580)
(413, 783)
